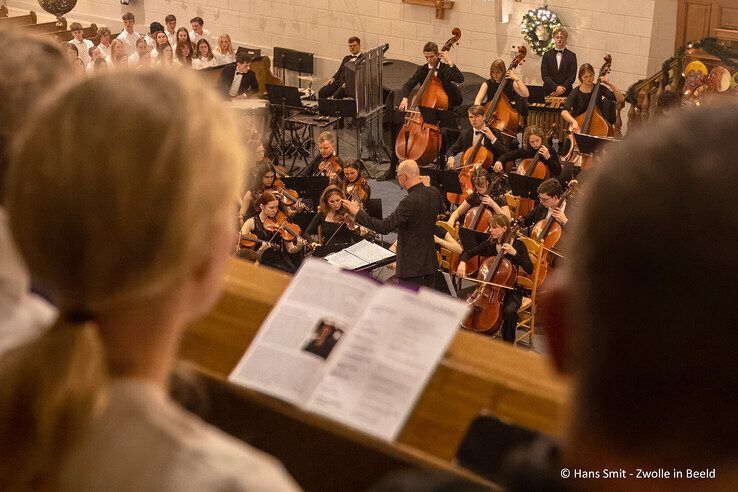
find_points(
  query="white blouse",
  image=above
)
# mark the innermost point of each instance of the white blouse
(199, 64)
(143, 441)
(224, 59)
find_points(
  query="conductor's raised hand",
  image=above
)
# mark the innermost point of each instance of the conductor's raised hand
(351, 207)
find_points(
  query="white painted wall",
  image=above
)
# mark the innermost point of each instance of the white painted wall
(638, 33)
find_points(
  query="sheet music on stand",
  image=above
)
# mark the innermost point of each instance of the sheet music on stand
(361, 256)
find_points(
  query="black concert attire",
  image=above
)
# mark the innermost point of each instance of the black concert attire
(312, 167)
(275, 258)
(450, 76)
(328, 229)
(577, 102)
(552, 163)
(513, 298)
(555, 74)
(248, 84)
(539, 213)
(466, 141)
(335, 89)
(414, 219)
(325, 349)
(515, 99)
(475, 199)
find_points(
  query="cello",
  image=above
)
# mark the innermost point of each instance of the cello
(547, 232)
(475, 156)
(591, 122)
(499, 113)
(417, 140)
(534, 168)
(496, 276)
(478, 219)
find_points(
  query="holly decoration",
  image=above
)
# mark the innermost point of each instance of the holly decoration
(538, 25)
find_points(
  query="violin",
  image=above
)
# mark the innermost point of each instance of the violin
(280, 225)
(478, 219)
(496, 275)
(290, 198)
(548, 232)
(536, 169)
(591, 122)
(417, 140)
(250, 240)
(355, 191)
(474, 156)
(330, 166)
(499, 113)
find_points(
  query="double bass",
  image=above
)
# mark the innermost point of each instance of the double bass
(417, 140)
(591, 122)
(499, 113)
(496, 275)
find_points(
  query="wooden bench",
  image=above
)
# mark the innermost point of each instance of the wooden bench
(477, 375)
(45, 27)
(17, 21)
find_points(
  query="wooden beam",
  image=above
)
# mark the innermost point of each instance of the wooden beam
(440, 5)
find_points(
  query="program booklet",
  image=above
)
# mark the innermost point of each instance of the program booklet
(343, 346)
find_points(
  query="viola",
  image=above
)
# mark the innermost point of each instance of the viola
(478, 218)
(417, 140)
(536, 169)
(499, 113)
(591, 122)
(496, 275)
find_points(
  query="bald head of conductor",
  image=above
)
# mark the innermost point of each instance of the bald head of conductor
(642, 313)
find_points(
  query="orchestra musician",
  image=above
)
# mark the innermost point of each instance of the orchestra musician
(549, 194)
(332, 222)
(335, 86)
(238, 81)
(518, 255)
(559, 66)
(275, 255)
(264, 180)
(447, 72)
(533, 137)
(414, 219)
(326, 163)
(468, 137)
(514, 91)
(353, 184)
(578, 100)
(496, 201)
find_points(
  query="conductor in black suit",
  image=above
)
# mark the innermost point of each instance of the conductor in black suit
(335, 86)
(237, 80)
(559, 66)
(414, 219)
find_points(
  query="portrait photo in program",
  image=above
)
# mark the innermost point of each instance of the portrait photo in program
(325, 337)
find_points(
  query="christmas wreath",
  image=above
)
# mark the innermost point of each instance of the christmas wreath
(538, 25)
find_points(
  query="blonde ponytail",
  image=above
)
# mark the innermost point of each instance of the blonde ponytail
(49, 390)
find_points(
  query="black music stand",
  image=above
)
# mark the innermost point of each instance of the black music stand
(470, 238)
(283, 98)
(297, 61)
(303, 219)
(308, 187)
(524, 186)
(590, 144)
(446, 181)
(339, 108)
(252, 52)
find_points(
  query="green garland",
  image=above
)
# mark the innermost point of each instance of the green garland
(535, 18)
(708, 44)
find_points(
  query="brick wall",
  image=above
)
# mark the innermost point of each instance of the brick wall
(638, 33)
